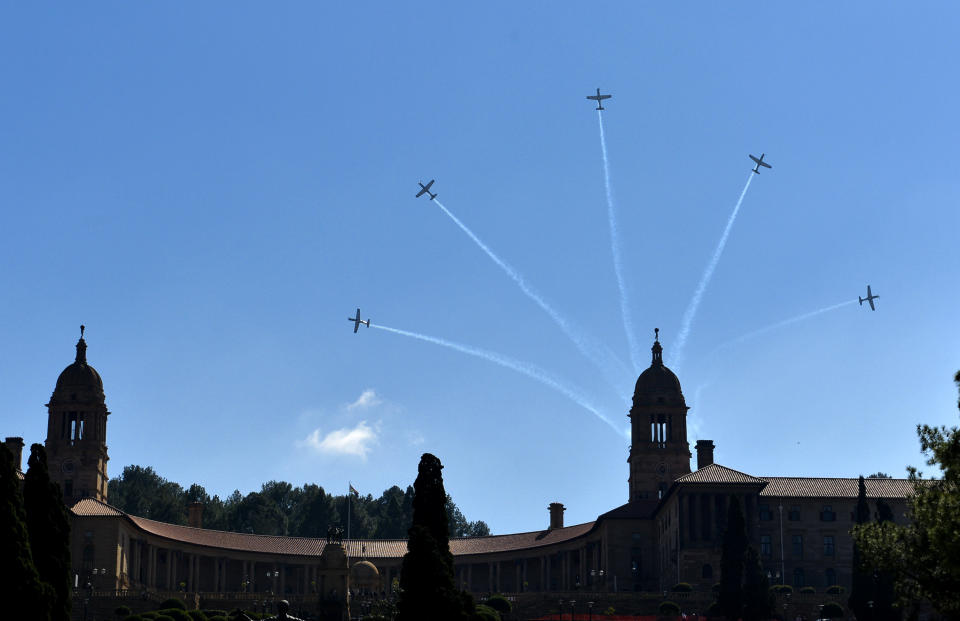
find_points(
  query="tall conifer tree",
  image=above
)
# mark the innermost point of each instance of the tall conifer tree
(27, 597)
(426, 576)
(861, 587)
(732, 562)
(49, 527)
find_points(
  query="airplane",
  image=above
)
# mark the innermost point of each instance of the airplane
(425, 189)
(760, 163)
(599, 98)
(357, 321)
(870, 298)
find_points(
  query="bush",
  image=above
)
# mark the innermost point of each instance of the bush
(808, 589)
(173, 602)
(668, 609)
(149, 615)
(486, 613)
(716, 587)
(681, 587)
(610, 611)
(835, 589)
(197, 615)
(218, 618)
(133, 618)
(163, 617)
(831, 610)
(215, 613)
(122, 611)
(782, 589)
(713, 610)
(499, 603)
(176, 614)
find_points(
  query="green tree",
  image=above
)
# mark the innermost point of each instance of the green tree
(732, 562)
(27, 597)
(923, 557)
(757, 598)
(861, 587)
(426, 575)
(48, 525)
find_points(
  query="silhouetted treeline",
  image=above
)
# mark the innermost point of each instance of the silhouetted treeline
(278, 508)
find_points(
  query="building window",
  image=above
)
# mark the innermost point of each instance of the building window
(827, 514)
(661, 490)
(798, 577)
(831, 577)
(828, 545)
(797, 541)
(765, 514)
(766, 550)
(794, 514)
(707, 571)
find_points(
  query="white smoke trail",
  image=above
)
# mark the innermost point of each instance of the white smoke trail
(521, 367)
(615, 246)
(780, 324)
(598, 354)
(704, 281)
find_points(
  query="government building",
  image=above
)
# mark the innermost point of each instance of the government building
(667, 532)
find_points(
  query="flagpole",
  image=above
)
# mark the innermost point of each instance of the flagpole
(349, 486)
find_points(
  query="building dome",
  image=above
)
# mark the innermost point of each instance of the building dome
(79, 381)
(364, 576)
(658, 385)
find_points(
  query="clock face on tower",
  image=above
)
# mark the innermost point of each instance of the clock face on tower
(662, 468)
(67, 466)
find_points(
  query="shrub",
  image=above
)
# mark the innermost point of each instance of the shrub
(716, 587)
(215, 613)
(808, 589)
(486, 613)
(218, 618)
(713, 610)
(668, 609)
(149, 615)
(173, 602)
(499, 603)
(122, 611)
(176, 614)
(681, 587)
(197, 615)
(831, 610)
(610, 611)
(162, 617)
(782, 589)
(835, 589)
(133, 618)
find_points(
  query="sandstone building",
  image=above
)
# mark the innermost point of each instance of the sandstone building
(668, 531)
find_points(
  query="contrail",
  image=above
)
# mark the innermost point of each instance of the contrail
(615, 245)
(780, 324)
(521, 367)
(705, 280)
(599, 355)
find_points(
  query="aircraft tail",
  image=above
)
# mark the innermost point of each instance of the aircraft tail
(861, 300)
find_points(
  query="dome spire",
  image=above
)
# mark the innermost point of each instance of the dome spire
(82, 347)
(657, 349)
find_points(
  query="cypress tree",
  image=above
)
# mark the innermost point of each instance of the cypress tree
(757, 599)
(27, 597)
(732, 562)
(426, 576)
(48, 526)
(861, 587)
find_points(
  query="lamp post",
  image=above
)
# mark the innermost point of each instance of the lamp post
(573, 602)
(589, 611)
(783, 571)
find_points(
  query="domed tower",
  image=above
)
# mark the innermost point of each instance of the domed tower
(658, 419)
(77, 431)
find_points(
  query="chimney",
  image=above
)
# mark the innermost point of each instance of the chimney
(195, 517)
(556, 515)
(15, 445)
(704, 453)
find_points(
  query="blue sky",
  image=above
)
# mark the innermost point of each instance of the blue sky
(212, 189)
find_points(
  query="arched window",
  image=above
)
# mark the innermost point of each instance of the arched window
(707, 571)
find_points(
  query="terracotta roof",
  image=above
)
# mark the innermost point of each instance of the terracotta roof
(636, 510)
(715, 473)
(90, 506)
(835, 488)
(302, 546)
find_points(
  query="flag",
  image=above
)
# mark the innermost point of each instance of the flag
(353, 490)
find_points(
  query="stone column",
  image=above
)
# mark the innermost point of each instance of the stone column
(470, 576)
(170, 573)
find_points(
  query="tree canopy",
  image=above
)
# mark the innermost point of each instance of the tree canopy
(279, 508)
(922, 559)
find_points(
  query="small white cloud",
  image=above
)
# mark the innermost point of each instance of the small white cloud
(415, 438)
(367, 399)
(357, 441)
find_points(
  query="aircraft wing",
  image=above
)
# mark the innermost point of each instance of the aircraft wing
(604, 97)
(421, 192)
(872, 307)
(765, 165)
(754, 159)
